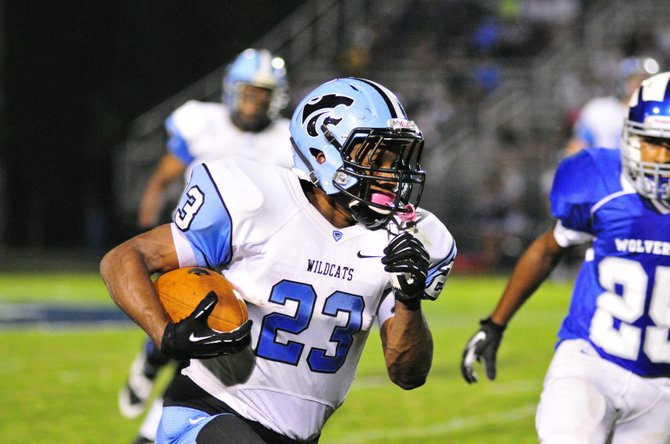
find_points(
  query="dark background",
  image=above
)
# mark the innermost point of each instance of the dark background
(74, 73)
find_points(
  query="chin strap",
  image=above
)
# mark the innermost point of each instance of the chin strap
(370, 217)
(386, 200)
(661, 206)
(312, 173)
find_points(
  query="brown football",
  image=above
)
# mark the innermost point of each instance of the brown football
(181, 290)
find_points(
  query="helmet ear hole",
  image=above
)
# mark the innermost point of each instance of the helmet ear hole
(319, 156)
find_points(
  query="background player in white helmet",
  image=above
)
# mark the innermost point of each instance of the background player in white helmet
(609, 380)
(249, 124)
(600, 121)
(317, 259)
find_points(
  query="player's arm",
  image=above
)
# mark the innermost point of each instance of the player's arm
(408, 345)
(406, 338)
(531, 270)
(169, 168)
(126, 271)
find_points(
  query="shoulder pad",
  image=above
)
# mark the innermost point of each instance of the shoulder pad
(586, 177)
(240, 190)
(194, 117)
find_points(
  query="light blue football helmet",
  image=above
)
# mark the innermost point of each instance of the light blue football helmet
(648, 118)
(639, 66)
(257, 67)
(352, 138)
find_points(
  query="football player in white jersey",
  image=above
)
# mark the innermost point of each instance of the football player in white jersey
(609, 380)
(320, 253)
(600, 121)
(247, 124)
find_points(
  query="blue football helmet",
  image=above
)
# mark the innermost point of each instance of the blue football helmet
(257, 67)
(352, 138)
(648, 117)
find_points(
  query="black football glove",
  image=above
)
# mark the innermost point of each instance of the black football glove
(483, 345)
(407, 260)
(192, 338)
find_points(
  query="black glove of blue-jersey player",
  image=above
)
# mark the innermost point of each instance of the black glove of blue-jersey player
(192, 338)
(406, 259)
(483, 345)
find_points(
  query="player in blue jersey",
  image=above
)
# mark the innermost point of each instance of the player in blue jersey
(247, 123)
(321, 254)
(599, 125)
(609, 380)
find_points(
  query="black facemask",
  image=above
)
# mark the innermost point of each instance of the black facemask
(371, 218)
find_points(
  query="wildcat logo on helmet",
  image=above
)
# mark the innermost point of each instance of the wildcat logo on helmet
(320, 106)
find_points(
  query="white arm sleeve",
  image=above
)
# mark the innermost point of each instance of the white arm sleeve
(566, 237)
(386, 308)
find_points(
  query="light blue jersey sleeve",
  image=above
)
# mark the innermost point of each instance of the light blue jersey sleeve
(438, 273)
(176, 144)
(204, 219)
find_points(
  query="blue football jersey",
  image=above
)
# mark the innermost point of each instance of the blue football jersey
(621, 298)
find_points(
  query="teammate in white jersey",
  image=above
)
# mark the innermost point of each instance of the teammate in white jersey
(600, 121)
(609, 380)
(247, 124)
(320, 253)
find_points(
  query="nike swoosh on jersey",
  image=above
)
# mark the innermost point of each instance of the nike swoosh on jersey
(366, 256)
(193, 421)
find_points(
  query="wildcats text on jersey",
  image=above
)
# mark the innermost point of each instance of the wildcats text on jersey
(328, 269)
(647, 246)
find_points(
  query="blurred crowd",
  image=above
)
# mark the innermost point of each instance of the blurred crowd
(479, 45)
(449, 62)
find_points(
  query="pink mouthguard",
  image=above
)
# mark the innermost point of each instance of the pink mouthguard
(386, 200)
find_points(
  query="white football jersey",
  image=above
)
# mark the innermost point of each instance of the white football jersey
(600, 122)
(201, 131)
(313, 291)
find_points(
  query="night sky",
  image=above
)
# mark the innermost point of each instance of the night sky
(75, 73)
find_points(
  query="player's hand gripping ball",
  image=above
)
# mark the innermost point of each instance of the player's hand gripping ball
(181, 290)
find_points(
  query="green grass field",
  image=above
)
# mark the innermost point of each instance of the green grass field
(60, 386)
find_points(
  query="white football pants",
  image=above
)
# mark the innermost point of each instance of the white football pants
(587, 400)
